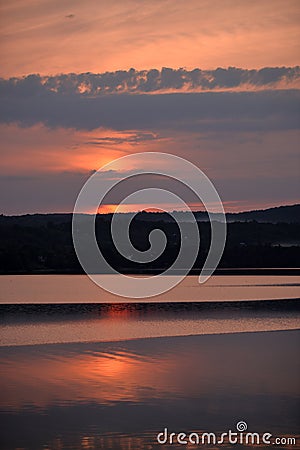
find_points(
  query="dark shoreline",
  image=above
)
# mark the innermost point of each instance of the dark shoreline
(271, 271)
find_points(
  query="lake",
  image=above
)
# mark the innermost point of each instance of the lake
(80, 289)
(83, 369)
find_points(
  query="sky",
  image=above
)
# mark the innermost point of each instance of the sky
(82, 83)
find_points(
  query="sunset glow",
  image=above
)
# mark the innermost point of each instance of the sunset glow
(216, 85)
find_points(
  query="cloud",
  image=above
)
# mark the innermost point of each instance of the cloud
(154, 81)
(129, 138)
(29, 103)
(245, 140)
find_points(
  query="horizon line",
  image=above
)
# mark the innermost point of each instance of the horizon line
(144, 211)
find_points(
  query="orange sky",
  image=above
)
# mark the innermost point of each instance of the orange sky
(253, 159)
(43, 169)
(51, 36)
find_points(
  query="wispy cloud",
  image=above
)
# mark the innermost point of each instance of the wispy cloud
(129, 138)
(52, 36)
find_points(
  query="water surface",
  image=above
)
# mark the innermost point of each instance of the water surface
(121, 395)
(61, 323)
(80, 289)
(83, 369)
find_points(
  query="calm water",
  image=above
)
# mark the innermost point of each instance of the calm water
(79, 369)
(171, 314)
(80, 289)
(121, 395)
(48, 324)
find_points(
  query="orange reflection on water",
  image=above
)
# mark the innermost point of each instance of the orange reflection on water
(39, 380)
(112, 366)
(120, 311)
(141, 370)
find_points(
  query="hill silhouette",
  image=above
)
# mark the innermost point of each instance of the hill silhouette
(42, 243)
(284, 214)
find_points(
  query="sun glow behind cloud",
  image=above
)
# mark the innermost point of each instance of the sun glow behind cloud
(61, 149)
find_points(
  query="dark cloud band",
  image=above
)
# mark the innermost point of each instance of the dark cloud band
(147, 81)
(209, 111)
